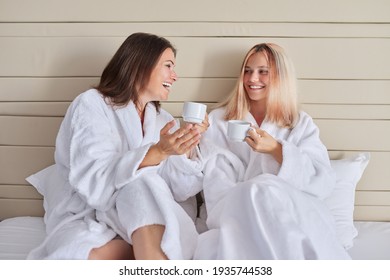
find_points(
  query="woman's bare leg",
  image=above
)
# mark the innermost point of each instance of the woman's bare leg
(116, 249)
(147, 243)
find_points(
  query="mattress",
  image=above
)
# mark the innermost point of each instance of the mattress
(372, 242)
(19, 235)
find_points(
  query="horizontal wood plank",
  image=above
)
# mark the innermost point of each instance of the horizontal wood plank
(19, 191)
(198, 29)
(201, 10)
(32, 131)
(344, 91)
(43, 89)
(34, 109)
(17, 163)
(199, 89)
(375, 198)
(350, 135)
(10, 208)
(314, 58)
(372, 213)
(347, 112)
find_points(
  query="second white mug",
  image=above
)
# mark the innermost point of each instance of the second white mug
(237, 130)
(194, 112)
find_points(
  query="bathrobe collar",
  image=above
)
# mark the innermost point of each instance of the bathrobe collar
(131, 123)
(265, 125)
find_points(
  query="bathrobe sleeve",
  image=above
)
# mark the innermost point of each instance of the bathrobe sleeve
(183, 175)
(99, 165)
(306, 165)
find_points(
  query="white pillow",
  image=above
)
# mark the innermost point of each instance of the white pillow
(342, 199)
(38, 180)
(49, 183)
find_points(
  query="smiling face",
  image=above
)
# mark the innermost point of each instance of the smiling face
(161, 79)
(256, 77)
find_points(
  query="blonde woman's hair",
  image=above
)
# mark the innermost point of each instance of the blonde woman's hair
(282, 100)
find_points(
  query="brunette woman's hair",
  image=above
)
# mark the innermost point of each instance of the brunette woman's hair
(129, 70)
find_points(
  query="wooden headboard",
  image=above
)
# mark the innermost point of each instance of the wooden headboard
(341, 53)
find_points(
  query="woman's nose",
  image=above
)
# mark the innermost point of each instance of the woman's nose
(254, 77)
(174, 76)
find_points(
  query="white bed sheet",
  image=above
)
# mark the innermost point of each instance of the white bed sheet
(372, 242)
(19, 235)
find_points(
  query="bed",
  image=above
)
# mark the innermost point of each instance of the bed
(365, 240)
(19, 235)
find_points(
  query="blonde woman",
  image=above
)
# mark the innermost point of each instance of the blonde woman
(264, 195)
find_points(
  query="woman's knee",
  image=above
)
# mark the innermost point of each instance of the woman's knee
(116, 249)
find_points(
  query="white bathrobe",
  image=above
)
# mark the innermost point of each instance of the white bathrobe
(259, 209)
(95, 190)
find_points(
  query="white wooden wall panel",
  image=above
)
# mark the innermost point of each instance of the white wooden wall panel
(50, 51)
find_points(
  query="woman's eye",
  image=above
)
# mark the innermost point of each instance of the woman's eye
(263, 72)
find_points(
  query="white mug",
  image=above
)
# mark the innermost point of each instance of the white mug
(237, 130)
(194, 112)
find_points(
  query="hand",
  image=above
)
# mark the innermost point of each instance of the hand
(202, 127)
(180, 142)
(260, 141)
